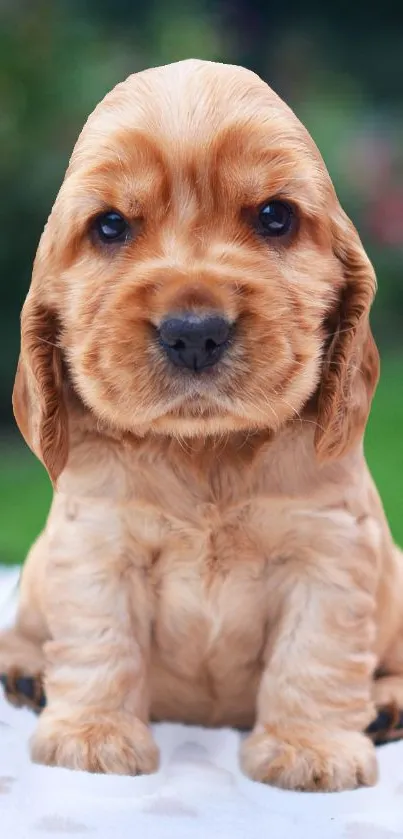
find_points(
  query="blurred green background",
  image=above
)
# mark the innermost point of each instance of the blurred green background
(340, 66)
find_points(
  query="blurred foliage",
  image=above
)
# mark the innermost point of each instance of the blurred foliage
(338, 65)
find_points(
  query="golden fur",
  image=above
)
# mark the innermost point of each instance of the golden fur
(216, 551)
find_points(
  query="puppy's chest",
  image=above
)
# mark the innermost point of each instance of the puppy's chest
(209, 576)
(208, 591)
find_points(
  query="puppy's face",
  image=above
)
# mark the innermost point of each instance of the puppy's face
(196, 266)
(196, 257)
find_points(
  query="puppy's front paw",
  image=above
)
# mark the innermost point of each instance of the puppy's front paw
(319, 761)
(114, 744)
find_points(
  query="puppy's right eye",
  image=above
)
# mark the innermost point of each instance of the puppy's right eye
(111, 227)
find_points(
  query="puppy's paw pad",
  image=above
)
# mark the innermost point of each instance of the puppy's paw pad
(22, 690)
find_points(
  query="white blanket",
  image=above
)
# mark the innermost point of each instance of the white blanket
(199, 792)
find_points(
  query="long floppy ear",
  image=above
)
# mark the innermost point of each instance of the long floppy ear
(351, 364)
(38, 389)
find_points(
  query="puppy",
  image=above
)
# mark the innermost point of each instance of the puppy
(196, 373)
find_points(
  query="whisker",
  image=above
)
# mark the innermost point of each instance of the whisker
(268, 405)
(45, 341)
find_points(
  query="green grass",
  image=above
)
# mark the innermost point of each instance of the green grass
(25, 491)
(384, 443)
(25, 495)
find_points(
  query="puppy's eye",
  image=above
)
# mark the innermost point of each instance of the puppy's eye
(275, 219)
(111, 227)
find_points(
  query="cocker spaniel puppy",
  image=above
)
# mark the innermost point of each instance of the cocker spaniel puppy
(196, 373)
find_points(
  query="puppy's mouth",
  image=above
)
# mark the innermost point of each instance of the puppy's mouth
(200, 392)
(198, 400)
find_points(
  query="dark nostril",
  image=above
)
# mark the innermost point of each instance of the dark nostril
(194, 341)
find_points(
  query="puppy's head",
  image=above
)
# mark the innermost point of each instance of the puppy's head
(197, 274)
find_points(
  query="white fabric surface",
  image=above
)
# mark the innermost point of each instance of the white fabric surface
(199, 792)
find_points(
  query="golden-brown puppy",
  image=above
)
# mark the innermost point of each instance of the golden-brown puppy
(196, 373)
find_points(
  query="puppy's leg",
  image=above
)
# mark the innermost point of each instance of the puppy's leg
(21, 670)
(96, 663)
(388, 687)
(388, 691)
(388, 695)
(21, 647)
(315, 694)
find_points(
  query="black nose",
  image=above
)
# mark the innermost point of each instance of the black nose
(194, 341)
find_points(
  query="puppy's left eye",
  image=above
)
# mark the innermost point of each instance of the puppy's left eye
(275, 219)
(111, 227)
